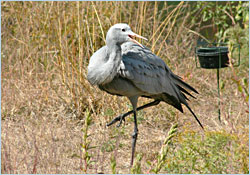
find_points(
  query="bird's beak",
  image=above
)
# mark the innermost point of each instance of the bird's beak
(132, 36)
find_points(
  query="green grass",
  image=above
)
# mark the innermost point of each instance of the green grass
(207, 154)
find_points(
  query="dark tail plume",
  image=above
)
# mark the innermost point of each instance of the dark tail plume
(195, 116)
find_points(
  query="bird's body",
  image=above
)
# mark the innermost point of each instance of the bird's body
(141, 73)
(129, 69)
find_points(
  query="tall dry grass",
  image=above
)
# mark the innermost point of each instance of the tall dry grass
(46, 99)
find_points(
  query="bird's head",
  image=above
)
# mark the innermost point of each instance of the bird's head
(121, 33)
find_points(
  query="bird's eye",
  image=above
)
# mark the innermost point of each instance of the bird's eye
(123, 30)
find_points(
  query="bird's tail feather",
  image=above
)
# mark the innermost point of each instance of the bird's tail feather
(185, 91)
(181, 83)
(195, 116)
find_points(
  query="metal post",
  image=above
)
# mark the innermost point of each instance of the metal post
(218, 83)
(218, 86)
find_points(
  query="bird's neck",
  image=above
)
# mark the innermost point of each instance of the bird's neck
(113, 63)
(107, 70)
(113, 46)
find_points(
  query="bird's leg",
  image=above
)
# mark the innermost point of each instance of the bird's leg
(134, 138)
(121, 117)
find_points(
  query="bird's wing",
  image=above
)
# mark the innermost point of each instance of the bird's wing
(147, 71)
(150, 74)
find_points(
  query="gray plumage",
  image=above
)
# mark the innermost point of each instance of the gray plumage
(126, 68)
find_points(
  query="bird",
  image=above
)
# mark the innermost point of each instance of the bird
(125, 67)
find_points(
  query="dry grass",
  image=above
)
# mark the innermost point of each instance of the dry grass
(46, 47)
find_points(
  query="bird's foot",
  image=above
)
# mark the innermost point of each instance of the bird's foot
(120, 118)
